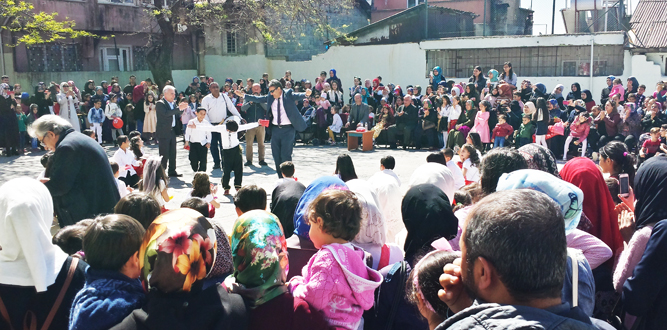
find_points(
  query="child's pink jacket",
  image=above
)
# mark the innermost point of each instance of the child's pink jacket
(337, 282)
(617, 89)
(580, 130)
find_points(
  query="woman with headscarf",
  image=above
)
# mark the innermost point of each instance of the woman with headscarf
(9, 124)
(557, 94)
(333, 77)
(69, 105)
(428, 217)
(435, 174)
(41, 98)
(471, 93)
(587, 97)
(284, 200)
(222, 266)
(598, 204)
(493, 78)
(33, 271)
(526, 91)
(76, 90)
(193, 87)
(539, 90)
(372, 236)
(299, 246)
(89, 87)
(465, 121)
(176, 255)
(631, 127)
(540, 158)
(645, 293)
(259, 253)
(575, 93)
(436, 77)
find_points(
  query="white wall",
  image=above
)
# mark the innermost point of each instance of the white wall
(658, 58)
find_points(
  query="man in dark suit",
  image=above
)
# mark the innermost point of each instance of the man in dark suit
(284, 119)
(407, 117)
(166, 111)
(358, 113)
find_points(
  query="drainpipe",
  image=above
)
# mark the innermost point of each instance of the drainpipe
(484, 26)
(426, 20)
(591, 65)
(2, 48)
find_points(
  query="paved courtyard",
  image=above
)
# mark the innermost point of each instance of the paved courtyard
(310, 162)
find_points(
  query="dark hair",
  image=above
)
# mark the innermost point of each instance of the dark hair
(114, 167)
(462, 199)
(140, 206)
(642, 86)
(525, 245)
(70, 238)
(111, 240)
(624, 162)
(132, 134)
(614, 188)
(664, 126)
(287, 169)
(476, 141)
(275, 83)
(486, 104)
(502, 75)
(198, 204)
(345, 168)
(427, 276)
(250, 198)
(436, 157)
(474, 158)
(503, 117)
(448, 152)
(497, 162)
(200, 108)
(121, 139)
(134, 146)
(388, 162)
(340, 211)
(541, 105)
(45, 158)
(97, 101)
(232, 125)
(201, 185)
(87, 132)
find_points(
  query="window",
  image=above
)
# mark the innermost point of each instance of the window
(231, 42)
(139, 58)
(412, 3)
(123, 2)
(54, 58)
(115, 59)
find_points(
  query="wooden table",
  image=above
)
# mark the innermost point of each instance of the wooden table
(366, 140)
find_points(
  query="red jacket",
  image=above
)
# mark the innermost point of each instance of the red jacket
(580, 130)
(502, 130)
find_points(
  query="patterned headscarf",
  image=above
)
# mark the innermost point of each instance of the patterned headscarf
(178, 251)
(540, 158)
(223, 256)
(4, 88)
(259, 253)
(569, 197)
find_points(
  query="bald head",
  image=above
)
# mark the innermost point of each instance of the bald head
(407, 100)
(256, 88)
(357, 99)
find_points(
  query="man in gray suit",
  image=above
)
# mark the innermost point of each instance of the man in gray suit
(166, 112)
(358, 114)
(284, 119)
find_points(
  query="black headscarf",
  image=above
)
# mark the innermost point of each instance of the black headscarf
(283, 203)
(575, 95)
(589, 96)
(428, 216)
(651, 191)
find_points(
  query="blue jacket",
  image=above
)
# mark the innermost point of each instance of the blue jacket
(494, 316)
(289, 102)
(106, 299)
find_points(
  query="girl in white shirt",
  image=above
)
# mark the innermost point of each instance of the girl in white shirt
(155, 181)
(202, 188)
(455, 112)
(335, 126)
(468, 155)
(112, 112)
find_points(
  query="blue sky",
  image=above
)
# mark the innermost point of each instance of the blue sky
(543, 12)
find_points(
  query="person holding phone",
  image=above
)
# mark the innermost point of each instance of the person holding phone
(9, 125)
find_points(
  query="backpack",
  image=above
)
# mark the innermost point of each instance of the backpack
(392, 310)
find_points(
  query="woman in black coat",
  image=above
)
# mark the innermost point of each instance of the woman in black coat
(79, 175)
(9, 124)
(478, 79)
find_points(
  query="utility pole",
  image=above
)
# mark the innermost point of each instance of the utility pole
(484, 26)
(426, 20)
(553, 16)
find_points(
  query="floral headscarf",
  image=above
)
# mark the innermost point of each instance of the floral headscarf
(3, 90)
(178, 251)
(259, 253)
(540, 158)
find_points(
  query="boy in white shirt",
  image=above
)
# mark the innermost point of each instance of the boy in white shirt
(123, 190)
(198, 140)
(124, 157)
(459, 180)
(231, 154)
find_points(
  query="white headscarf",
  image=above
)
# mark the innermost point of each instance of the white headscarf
(27, 258)
(436, 174)
(373, 228)
(387, 188)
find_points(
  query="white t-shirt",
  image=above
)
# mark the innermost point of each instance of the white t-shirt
(459, 181)
(158, 195)
(209, 198)
(122, 188)
(472, 173)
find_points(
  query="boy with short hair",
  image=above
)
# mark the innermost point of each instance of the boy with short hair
(113, 290)
(126, 161)
(459, 180)
(231, 153)
(639, 102)
(650, 146)
(89, 133)
(198, 140)
(96, 118)
(287, 169)
(525, 134)
(516, 96)
(249, 198)
(501, 132)
(123, 189)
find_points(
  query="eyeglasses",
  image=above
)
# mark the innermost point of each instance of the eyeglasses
(272, 90)
(41, 141)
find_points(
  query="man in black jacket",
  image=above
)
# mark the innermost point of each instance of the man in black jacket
(407, 117)
(252, 112)
(78, 174)
(166, 112)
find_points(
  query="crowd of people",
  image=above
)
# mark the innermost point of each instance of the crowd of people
(498, 238)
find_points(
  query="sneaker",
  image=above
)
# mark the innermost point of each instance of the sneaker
(263, 163)
(227, 192)
(247, 164)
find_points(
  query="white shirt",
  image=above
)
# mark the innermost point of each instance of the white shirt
(454, 113)
(337, 123)
(197, 135)
(122, 188)
(229, 140)
(209, 198)
(125, 158)
(472, 173)
(173, 118)
(113, 110)
(459, 180)
(216, 108)
(284, 120)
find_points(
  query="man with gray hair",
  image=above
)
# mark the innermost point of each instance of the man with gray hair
(78, 174)
(253, 112)
(217, 105)
(166, 112)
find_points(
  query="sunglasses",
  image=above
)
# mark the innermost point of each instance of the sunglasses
(272, 90)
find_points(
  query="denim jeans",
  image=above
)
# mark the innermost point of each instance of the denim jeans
(499, 141)
(35, 143)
